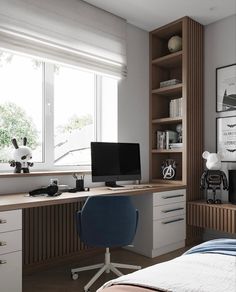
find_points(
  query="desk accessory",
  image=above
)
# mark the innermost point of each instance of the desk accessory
(51, 190)
(79, 184)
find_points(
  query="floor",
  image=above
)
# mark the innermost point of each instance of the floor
(59, 279)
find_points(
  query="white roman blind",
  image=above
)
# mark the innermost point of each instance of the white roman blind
(67, 31)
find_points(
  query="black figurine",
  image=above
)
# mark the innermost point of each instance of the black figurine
(212, 177)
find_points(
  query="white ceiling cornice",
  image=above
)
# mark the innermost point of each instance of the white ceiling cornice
(150, 14)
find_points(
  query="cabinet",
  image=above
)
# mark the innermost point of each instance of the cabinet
(162, 222)
(220, 217)
(186, 66)
(11, 250)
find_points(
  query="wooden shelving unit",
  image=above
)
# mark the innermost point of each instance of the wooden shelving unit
(169, 90)
(186, 66)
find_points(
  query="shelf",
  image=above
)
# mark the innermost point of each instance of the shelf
(169, 90)
(165, 181)
(168, 120)
(168, 151)
(169, 61)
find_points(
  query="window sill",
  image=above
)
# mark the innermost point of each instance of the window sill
(42, 173)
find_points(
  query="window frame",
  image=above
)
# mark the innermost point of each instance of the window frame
(47, 163)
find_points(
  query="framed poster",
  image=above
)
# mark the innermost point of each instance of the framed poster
(226, 88)
(226, 138)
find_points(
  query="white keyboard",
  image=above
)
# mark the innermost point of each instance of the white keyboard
(130, 187)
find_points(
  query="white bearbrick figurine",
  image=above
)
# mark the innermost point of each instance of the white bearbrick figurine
(212, 177)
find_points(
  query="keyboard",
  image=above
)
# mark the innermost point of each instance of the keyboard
(130, 187)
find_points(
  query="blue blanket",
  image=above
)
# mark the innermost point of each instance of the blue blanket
(220, 246)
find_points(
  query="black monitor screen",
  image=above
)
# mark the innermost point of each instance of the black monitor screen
(115, 161)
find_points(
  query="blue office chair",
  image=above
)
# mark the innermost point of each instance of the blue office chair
(106, 221)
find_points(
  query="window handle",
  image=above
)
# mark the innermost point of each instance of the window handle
(2, 262)
(3, 221)
(2, 243)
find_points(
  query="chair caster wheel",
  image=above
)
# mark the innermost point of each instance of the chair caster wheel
(74, 276)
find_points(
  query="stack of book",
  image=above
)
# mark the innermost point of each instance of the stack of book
(166, 138)
(176, 108)
(169, 82)
(175, 145)
(161, 140)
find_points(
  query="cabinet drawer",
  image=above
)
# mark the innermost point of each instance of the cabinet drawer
(170, 210)
(10, 241)
(11, 272)
(10, 220)
(169, 197)
(169, 230)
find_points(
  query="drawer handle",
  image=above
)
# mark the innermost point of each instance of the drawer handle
(172, 210)
(174, 196)
(2, 243)
(2, 262)
(172, 221)
(2, 221)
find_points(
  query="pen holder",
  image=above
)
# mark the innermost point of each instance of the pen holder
(79, 185)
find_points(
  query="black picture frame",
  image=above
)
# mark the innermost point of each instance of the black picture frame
(226, 138)
(226, 88)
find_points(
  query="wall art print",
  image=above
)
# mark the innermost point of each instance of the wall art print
(226, 88)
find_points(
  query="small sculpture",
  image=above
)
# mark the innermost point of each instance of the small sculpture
(168, 169)
(175, 44)
(213, 177)
(21, 156)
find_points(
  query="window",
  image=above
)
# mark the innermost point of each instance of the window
(59, 108)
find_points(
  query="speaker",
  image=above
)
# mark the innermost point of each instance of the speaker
(232, 186)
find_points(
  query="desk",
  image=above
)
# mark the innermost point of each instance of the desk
(22, 201)
(48, 225)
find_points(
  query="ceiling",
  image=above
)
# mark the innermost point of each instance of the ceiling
(150, 14)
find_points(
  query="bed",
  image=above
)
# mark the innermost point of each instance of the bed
(208, 267)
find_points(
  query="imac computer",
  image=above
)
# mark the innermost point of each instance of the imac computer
(113, 162)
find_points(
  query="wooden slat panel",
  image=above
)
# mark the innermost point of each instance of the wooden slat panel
(218, 217)
(50, 232)
(193, 91)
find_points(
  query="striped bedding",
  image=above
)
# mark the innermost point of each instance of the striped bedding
(208, 267)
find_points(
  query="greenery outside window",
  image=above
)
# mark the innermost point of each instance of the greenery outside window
(59, 108)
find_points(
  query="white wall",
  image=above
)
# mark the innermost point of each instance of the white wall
(220, 50)
(133, 104)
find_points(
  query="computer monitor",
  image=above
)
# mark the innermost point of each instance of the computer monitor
(113, 162)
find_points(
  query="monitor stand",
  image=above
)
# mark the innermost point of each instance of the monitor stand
(112, 184)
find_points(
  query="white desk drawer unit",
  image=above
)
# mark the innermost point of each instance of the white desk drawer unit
(162, 222)
(163, 198)
(11, 251)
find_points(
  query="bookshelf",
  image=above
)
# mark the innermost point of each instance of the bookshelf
(186, 66)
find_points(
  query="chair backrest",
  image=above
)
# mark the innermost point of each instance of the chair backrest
(107, 221)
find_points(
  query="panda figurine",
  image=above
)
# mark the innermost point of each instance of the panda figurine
(21, 156)
(212, 177)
